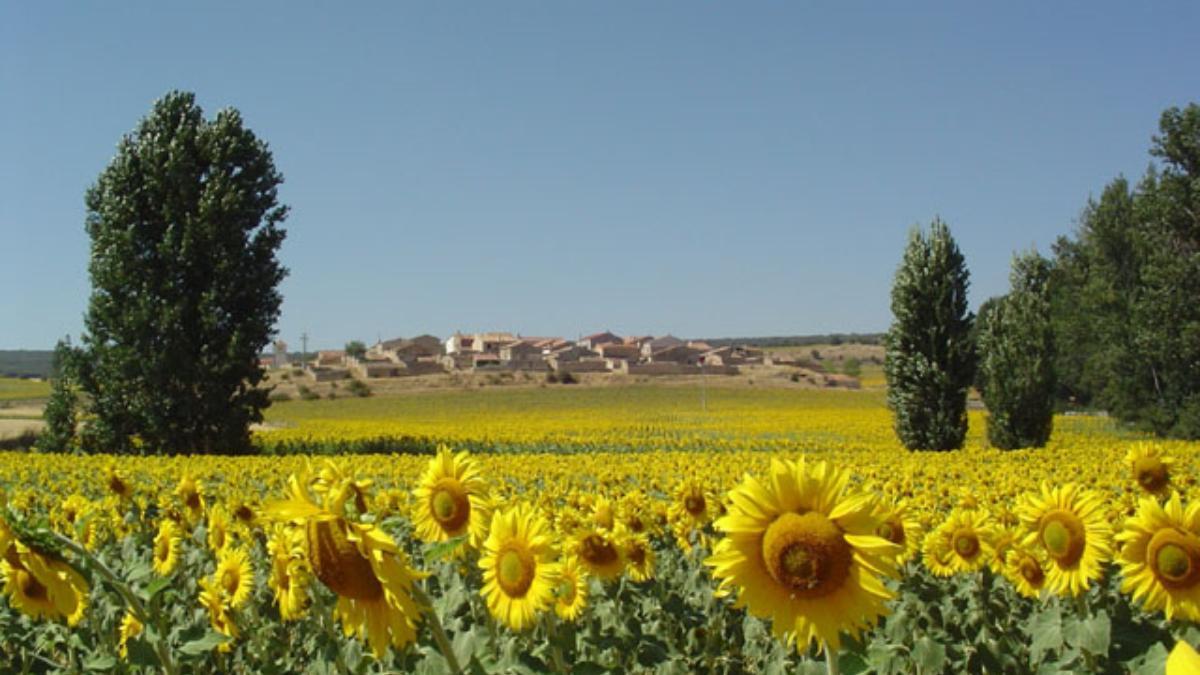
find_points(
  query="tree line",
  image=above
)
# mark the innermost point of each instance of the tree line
(1111, 320)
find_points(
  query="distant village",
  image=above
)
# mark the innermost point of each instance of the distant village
(499, 351)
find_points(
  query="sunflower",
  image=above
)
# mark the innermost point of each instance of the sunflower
(1069, 524)
(600, 551)
(1183, 660)
(130, 628)
(234, 577)
(1160, 557)
(570, 594)
(117, 485)
(898, 525)
(219, 526)
(603, 515)
(519, 572)
(167, 544)
(191, 497)
(1025, 569)
(358, 561)
(1151, 469)
(692, 507)
(961, 544)
(451, 500)
(801, 550)
(289, 575)
(640, 558)
(41, 586)
(220, 615)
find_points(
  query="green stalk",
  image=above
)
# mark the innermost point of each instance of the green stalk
(435, 626)
(831, 660)
(134, 603)
(556, 655)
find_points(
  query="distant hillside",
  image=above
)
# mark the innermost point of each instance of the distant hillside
(801, 340)
(25, 363)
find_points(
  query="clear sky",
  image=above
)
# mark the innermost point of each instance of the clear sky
(705, 169)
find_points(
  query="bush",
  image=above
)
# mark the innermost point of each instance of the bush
(568, 378)
(307, 394)
(852, 367)
(552, 377)
(279, 397)
(358, 388)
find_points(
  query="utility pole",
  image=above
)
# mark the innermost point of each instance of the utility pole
(304, 347)
(703, 387)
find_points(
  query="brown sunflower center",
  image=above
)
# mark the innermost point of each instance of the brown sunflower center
(1063, 536)
(635, 524)
(162, 548)
(117, 486)
(892, 530)
(230, 581)
(807, 553)
(694, 504)
(338, 563)
(244, 513)
(191, 499)
(515, 569)
(966, 542)
(1174, 557)
(1151, 473)
(566, 590)
(449, 505)
(598, 551)
(1032, 571)
(30, 587)
(637, 554)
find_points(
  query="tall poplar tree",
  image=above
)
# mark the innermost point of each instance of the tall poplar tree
(930, 357)
(184, 226)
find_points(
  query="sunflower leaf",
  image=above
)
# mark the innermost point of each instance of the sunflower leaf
(203, 645)
(444, 550)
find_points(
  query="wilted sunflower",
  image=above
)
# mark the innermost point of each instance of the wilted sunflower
(117, 485)
(167, 544)
(800, 550)
(42, 586)
(358, 561)
(1160, 558)
(451, 500)
(1070, 525)
(961, 544)
(1025, 569)
(1151, 469)
(234, 578)
(570, 594)
(519, 572)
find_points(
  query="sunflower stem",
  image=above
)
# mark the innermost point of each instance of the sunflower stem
(435, 627)
(831, 660)
(127, 594)
(556, 655)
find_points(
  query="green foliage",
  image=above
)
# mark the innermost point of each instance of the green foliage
(852, 367)
(356, 348)
(358, 388)
(930, 360)
(1016, 359)
(1125, 288)
(184, 226)
(61, 411)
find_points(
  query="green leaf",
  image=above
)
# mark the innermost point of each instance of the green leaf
(1045, 628)
(444, 550)
(100, 662)
(1094, 633)
(930, 655)
(850, 663)
(203, 645)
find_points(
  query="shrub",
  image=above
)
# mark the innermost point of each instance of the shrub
(358, 388)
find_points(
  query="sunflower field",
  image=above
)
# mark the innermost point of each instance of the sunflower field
(638, 535)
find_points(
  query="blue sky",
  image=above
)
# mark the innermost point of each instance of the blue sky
(703, 169)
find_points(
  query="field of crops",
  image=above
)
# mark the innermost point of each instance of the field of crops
(607, 530)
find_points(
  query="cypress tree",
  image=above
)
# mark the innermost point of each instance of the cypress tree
(61, 411)
(1016, 351)
(930, 359)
